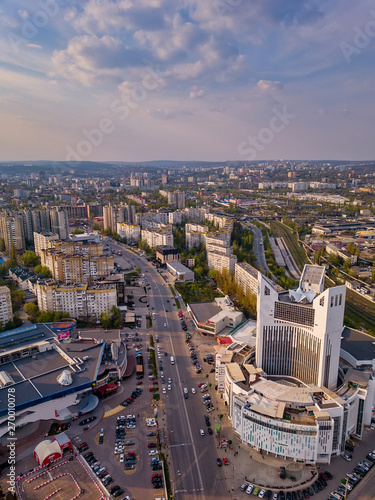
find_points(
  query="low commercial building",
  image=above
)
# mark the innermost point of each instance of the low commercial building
(165, 254)
(344, 254)
(51, 379)
(180, 272)
(214, 317)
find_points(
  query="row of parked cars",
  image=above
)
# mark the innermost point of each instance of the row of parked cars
(353, 478)
(134, 395)
(319, 484)
(103, 474)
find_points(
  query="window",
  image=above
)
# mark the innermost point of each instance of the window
(321, 302)
(340, 299)
(332, 301)
(335, 300)
(267, 291)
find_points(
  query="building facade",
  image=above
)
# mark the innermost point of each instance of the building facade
(247, 277)
(299, 331)
(6, 311)
(80, 301)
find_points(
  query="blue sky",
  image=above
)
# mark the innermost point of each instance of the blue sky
(137, 80)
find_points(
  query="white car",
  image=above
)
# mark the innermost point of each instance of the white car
(121, 457)
(153, 452)
(193, 390)
(165, 324)
(201, 432)
(169, 381)
(151, 422)
(262, 493)
(164, 390)
(169, 387)
(249, 489)
(159, 356)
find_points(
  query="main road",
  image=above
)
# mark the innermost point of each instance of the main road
(192, 457)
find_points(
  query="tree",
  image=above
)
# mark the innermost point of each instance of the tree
(30, 258)
(18, 298)
(43, 270)
(77, 231)
(2, 245)
(32, 310)
(351, 248)
(95, 226)
(13, 257)
(138, 270)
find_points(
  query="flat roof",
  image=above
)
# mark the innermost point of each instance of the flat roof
(35, 376)
(178, 267)
(204, 310)
(280, 392)
(100, 334)
(360, 345)
(25, 335)
(235, 372)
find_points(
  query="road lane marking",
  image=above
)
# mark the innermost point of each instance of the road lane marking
(182, 444)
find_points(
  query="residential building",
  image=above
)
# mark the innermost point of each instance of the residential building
(59, 223)
(157, 237)
(175, 217)
(41, 241)
(176, 199)
(80, 301)
(219, 261)
(247, 277)
(131, 232)
(6, 312)
(12, 230)
(109, 217)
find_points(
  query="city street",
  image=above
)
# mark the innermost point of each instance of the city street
(192, 457)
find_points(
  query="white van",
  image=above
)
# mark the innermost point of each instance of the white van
(172, 360)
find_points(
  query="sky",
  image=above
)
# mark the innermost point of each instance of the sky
(137, 80)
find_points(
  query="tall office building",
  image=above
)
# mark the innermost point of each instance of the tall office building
(299, 331)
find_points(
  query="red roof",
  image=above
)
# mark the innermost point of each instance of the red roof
(224, 340)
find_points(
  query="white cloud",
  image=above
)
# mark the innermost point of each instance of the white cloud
(269, 86)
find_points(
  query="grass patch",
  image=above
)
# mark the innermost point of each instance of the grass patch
(172, 290)
(290, 238)
(178, 304)
(197, 292)
(167, 476)
(156, 397)
(148, 321)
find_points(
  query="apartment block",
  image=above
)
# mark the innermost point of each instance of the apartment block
(131, 232)
(6, 312)
(247, 277)
(219, 261)
(158, 237)
(12, 230)
(42, 241)
(80, 301)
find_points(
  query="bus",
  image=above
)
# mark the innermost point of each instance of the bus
(172, 360)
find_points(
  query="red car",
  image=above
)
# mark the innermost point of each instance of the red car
(130, 454)
(139, 382)
(82, 445)
(226, 461)
(151, 445)
(202, 383)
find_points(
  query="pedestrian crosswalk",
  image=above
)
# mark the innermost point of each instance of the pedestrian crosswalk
(109, 413)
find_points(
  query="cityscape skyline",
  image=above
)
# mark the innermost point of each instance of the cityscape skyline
(134, 81)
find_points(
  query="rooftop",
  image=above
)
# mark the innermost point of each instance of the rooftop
(204, 310)
(360, 345)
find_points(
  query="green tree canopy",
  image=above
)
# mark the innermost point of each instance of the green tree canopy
(30, 258)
